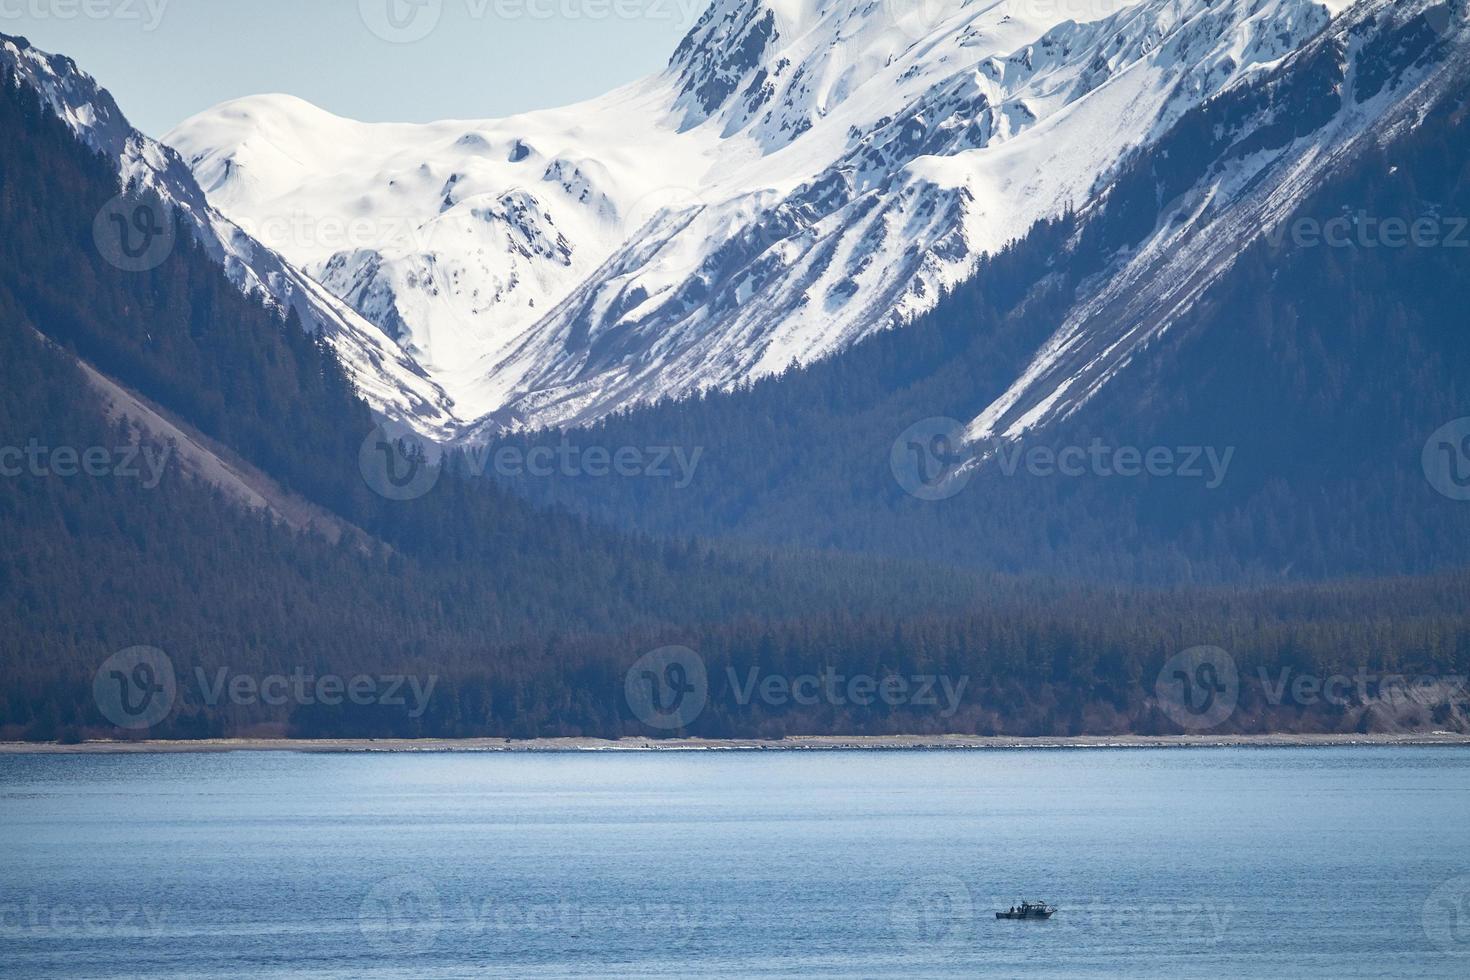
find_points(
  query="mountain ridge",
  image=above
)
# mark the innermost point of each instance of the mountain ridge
(800, 176)
(1323, 369)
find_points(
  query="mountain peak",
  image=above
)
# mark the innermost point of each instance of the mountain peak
(727, 46)
(73, 95)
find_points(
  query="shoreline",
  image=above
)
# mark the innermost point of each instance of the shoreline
(808, 743)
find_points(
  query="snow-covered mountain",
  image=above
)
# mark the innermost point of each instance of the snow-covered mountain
(392, 382)
(803, 173)
(1249, 160)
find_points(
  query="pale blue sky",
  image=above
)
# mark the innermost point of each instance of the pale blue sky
(166, 59)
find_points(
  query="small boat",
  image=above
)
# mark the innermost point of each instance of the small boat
(1028, 910)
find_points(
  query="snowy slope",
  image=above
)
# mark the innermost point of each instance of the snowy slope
(805, 172)
(1372, 74)
(965, 140)
(392, 383)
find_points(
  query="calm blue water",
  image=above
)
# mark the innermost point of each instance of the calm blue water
(1204, 863)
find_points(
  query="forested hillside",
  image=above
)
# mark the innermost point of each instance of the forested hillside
(98, 563)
